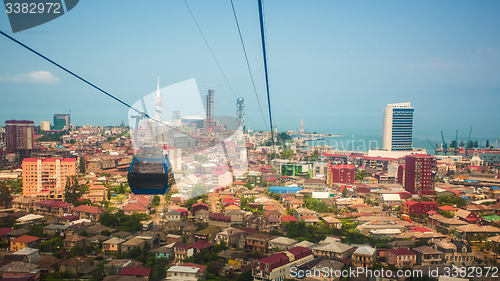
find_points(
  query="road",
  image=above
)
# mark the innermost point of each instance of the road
(159, 210)
(279, 206)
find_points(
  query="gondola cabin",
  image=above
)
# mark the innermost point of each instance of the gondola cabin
(151, 176)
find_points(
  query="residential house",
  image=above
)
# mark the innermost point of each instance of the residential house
(277, 266)
(48, 264)
(75, 264)
(173, 216)
(131, 244)
(470, 231)
(20, 270)
(415, 208)
(466, 216)
(74, 241)
(162, 252)
(115, 266)
(181, 273)
(88, 212)
(94, 241)
(250, 194)
(279, 244)
(315, 184)
(455, 251)
(206, 233)
(23, 242)
(364, 256)
(298, 213)
(189, 231)
(334, 250)
(258, 242)
(142, 273)
(219, 220)
(113, 245)
(310, 220)
(294, 204)
(428, 256)
(256, 222)
(29, 253)
(175, 226)
(332, 222)
(201, 216)
(24, 203)
(52, 208)
(149, 237)
(401, 257)
(136, 208)
(232, 237)
(55, 229)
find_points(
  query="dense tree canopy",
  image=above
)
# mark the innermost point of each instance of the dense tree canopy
(120, 221)
(5, 196)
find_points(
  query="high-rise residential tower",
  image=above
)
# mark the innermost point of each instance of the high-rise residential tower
(19, 134)
(420, 174)
(398, 127)
(48, 174)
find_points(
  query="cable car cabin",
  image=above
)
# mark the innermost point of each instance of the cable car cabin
(150, 176)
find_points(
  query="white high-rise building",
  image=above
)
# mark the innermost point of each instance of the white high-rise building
(44, 125)
(398, 127)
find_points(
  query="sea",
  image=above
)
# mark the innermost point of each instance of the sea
(365, 142)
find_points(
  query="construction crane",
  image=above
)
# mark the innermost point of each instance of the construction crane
(467, 144)
(73, 111)
(210, 85)
(445, 146)
(432, 145)
(456, 143)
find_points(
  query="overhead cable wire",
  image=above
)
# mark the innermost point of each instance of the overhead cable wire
(206, 42)
(248, 64)
(210, 49)
(262, 34)
(96, 87)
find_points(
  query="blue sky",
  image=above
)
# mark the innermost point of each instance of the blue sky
(334, 64)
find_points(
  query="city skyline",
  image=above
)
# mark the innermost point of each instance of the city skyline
(332, 64)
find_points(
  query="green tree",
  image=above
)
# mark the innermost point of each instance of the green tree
(156, 200)
(72, 191)
(487, 144)
(453, 144)
(344, 192)
(476, 144)
(5, 196)
(283, 136)
(82, 165)
(109, 195)
(199, 189)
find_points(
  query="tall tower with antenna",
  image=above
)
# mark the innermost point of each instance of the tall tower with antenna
(209, 104)
(240, 112)
(158, 103)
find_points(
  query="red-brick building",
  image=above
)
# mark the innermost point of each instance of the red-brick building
(401, 257)
(340, 173)
(19, 134)
(420, 173)
(413, 208)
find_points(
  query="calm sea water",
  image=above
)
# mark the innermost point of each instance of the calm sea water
(364, 142)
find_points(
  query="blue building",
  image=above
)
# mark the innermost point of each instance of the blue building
(398, 127)
(285, 189)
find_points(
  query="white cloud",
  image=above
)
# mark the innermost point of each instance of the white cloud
(42, 77)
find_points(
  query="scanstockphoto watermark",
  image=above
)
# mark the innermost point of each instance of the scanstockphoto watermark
(356, 272)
